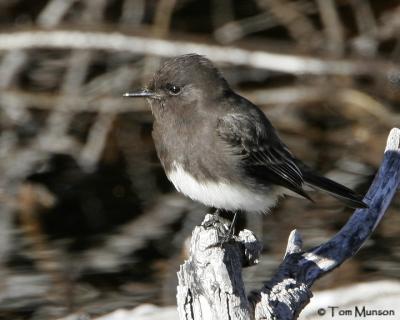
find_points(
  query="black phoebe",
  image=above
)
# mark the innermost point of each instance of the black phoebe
(218, 148)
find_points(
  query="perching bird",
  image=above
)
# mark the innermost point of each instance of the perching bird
(220, 149)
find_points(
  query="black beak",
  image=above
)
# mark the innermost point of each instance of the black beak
(142, 93)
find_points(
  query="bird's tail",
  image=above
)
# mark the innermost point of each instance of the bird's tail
(342, 193)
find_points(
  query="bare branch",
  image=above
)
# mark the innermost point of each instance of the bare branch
(166, 48)
(93, 149)
(97, 99)
(364, 221)
(366, 43)
(53, 12)
(298, 24)
(295, 243)
(333, 27)
(132, 12)
(237, 29)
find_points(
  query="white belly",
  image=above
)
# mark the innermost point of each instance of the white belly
(221, 195)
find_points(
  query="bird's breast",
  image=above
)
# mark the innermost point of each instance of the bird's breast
(186, 142)
(171, 143)
(221, 194)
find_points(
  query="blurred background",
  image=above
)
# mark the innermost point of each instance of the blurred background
(88, 221)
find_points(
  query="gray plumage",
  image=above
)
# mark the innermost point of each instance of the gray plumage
(207, 130)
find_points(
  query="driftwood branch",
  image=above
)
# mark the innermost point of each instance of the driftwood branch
(210, 281)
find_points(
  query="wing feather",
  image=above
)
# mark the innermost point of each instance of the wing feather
(264, 156)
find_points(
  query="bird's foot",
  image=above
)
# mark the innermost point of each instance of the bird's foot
(230, 234)
(216, 220)
(221, 224)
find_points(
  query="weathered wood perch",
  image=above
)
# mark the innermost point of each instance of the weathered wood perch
(210, 281)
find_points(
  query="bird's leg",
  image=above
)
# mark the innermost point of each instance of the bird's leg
(217, 214)
(232, 227)
(221, 224)
(228, 236)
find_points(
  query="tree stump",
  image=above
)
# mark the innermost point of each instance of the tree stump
(210, 281)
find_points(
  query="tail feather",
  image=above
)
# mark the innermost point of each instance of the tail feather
(342, 193)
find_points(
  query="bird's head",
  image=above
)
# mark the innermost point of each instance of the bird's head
(184, 82)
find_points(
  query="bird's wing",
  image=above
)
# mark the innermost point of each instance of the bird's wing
(263, 155)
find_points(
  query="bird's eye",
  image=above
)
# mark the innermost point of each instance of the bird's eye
(173, 89)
